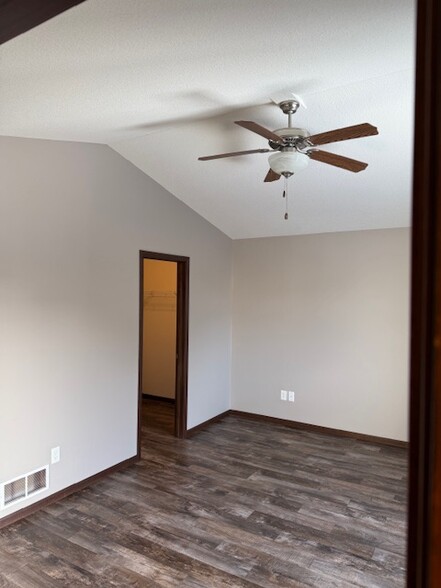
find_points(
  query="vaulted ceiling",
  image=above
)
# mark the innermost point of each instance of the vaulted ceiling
(163, 82)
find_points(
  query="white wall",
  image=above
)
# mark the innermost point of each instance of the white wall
(73, 218)
(328, 317)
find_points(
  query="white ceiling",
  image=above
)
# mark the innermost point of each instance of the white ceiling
(162, 83)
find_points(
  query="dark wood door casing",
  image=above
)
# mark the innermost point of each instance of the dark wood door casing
(19, 16)
(424, 531)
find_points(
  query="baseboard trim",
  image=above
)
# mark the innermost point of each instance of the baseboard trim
(160, 398)
(32, 508)
(205, 424)
(320, 429)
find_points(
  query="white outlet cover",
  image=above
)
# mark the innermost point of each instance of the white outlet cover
(291, 396)
(283, 395)
(55, 455)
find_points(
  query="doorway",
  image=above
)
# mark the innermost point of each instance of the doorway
(163, 343)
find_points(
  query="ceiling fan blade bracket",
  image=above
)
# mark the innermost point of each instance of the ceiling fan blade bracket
(304, 145)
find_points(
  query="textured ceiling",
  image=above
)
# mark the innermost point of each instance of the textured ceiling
(162, 83)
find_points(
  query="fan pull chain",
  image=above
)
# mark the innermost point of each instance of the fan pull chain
(285, 195)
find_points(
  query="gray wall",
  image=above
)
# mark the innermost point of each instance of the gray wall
(73, 218)
(328, 317)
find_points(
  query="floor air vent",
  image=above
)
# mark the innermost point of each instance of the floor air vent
(24, 487)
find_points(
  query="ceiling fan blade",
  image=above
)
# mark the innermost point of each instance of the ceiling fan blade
(338, 160)
(262, 131)
(354, 132)
(233, 154)
(271, 176)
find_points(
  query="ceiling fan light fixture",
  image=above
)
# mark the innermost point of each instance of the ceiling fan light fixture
(287, 162)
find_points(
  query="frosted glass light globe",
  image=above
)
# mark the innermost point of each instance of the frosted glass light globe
(287, 161)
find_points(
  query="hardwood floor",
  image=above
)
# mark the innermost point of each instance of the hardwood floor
(240, 504)
(158, 415)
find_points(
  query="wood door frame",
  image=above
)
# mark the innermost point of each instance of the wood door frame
(424, 529)
(182, 313)
(19, 16)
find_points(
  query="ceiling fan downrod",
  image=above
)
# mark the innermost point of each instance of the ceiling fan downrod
(289, 107)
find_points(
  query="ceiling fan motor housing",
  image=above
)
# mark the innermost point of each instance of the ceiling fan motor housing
(292, 136)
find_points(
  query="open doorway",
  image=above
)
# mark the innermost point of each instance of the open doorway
(158, 381)
(163, 343)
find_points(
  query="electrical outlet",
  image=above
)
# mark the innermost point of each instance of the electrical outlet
(283, 395)
(55, 455)
(291, 396)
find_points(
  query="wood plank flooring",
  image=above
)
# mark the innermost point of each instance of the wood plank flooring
(240, 504)
(158, 415)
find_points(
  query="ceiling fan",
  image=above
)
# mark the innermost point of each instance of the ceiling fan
(291, 147)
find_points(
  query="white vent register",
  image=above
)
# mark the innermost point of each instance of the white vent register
(23, 487)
